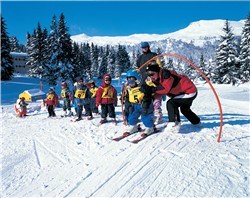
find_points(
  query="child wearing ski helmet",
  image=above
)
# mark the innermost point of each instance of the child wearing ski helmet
(106, 96)
(93, 89)
(51, 101)
(136, 104)
(82, 97)
(21, 107)
(66, 95)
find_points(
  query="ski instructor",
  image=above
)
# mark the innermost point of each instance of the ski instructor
(179, 88)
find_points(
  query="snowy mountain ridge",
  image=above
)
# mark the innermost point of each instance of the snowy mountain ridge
(198, 33)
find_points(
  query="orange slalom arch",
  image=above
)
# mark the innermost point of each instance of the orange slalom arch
(203, 75)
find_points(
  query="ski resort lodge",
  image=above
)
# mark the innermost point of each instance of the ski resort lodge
(19, 62)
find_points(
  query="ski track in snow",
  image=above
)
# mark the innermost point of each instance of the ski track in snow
(46, 157)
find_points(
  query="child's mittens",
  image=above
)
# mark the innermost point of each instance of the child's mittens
(144, 111)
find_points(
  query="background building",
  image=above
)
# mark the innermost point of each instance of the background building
(19, 62)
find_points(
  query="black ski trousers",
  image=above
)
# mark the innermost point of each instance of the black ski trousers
(87, 109)
(107, 109)
(51, 111)
(184, 104)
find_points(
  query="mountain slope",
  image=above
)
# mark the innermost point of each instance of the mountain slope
(199, 32)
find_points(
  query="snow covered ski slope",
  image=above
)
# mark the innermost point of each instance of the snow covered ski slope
(53, 157)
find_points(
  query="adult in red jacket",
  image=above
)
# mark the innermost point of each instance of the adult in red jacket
(106, 96)
(179, 88)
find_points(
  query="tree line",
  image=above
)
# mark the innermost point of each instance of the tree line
(54, 56)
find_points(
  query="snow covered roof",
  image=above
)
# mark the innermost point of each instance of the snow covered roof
(35, 92)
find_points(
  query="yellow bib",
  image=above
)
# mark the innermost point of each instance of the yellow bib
(107, 93)
(150, 83)
(93, 91)
(135, 95)
(50, 96)
(63, 93)
(80, 94)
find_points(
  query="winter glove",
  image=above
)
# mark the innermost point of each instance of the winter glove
(144, 111)
(131, 109)
(164, 97)
(145, 88)
(148, 90)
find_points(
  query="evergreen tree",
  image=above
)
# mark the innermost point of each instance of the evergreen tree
(111, 60)
(45, 50)
(78, 62)
(36, 53)
(133, 59)
(211, 71)
(7, 68)
(14, 44)
(103, 56)
(202, 66)
(64, 57)
(22, 48)
(226, 58)
(86, 50)
(244, 56)
(122, 60)
(189, 70)
(170, 64)
(52, 69)
(96, 63)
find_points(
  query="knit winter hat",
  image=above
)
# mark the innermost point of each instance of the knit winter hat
(79, 78)
(144, 44)
(153, 66)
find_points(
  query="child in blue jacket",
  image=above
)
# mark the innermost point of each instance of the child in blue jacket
(137, 104)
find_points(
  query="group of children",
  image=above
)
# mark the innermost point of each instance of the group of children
(87, 96)
(138, 98)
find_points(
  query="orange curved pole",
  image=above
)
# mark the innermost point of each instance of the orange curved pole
(122, 101)
(203, 75)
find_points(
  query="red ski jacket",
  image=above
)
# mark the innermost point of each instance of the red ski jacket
(173, 84)
(52, 99)
(106, 93)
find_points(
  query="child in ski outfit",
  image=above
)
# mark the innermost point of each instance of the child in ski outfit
(51, 101)
(93, 88)
(82, 97)
(106, 96)
(66, 95)
(21, 107)
(137, 104)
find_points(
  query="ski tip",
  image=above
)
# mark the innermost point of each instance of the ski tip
(134, 141)
(144, 135)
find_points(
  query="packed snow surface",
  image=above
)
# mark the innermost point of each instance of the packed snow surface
(54, 157)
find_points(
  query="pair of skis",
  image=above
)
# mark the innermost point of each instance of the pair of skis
(138, 139)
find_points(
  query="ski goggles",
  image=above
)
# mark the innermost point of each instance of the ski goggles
(131, 82)
(151, 73)
(107, 79)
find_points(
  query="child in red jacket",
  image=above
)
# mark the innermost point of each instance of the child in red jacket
(51, 101)
(106, 96)
(21, 107)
